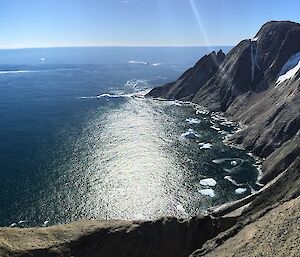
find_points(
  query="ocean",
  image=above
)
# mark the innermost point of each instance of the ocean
(76, 141)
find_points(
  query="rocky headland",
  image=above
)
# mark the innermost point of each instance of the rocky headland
(256, 84)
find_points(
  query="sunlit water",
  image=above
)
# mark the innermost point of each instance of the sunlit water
(68, 152)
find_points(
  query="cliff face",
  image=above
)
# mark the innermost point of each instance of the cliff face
(165, 237)
(258, 84)
(248, 86)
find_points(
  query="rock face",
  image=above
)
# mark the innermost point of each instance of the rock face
(258, 84)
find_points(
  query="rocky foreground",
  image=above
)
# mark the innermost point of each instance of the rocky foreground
(258, 84)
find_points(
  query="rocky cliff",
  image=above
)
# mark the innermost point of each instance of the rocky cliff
(258, 84)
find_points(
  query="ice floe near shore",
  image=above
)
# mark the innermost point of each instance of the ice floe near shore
(205, 145)
(240, 190)
(190, 134)
(207, 192)
(208, 182)
(192, 121)
(230, 179)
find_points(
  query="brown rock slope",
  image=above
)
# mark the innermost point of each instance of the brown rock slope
(165, 237)
(275, 234)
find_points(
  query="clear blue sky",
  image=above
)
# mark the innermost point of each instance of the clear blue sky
(50, 23)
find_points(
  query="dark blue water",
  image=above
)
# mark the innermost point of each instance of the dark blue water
(69, 152)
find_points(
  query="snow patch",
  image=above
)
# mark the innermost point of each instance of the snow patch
(289, 69)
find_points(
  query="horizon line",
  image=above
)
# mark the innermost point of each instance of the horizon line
(113, 46)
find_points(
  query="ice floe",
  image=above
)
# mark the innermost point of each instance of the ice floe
(202, 111)
(208, 182)
(215, 128)
(219, 161)
(205, 145)
(190, 134)
(138, 62)
(240, 190)
(45, 223)
(208, 192)
(229, 178)
(192, 120)
(234, 163)
(227, 123)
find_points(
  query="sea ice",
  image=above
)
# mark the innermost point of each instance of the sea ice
(240, 190)
(208, 182)
(192, 121)
(229, 178)
(215, 127)
(205, 145)
(203, 112)
(207, 192)
(233, 163)
(190, 134)
(45, 223)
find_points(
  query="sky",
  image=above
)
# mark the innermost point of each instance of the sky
(61, 23)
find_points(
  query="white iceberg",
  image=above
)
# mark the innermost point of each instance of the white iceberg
(240, 190)
(190, 134)
(207, 192)
(208, 182)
